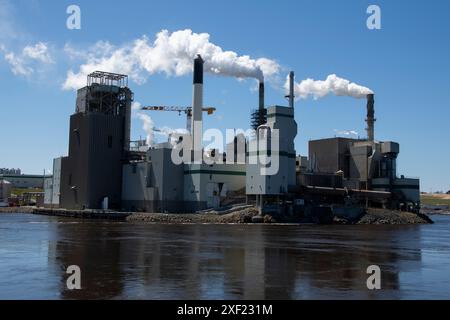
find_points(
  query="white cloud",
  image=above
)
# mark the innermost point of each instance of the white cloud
(29, 59)
(101, 48)
(38, 52)
(18, 65)
(171, 54)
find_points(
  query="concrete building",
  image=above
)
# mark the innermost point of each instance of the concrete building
(159, 185)
(11, 171)
(271, 165)
(99, 139)
(52, 186)
(361, 165)
(280, 173)
(102, 171)
(48, 191)
(155, 185)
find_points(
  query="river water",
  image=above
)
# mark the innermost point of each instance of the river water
(135, 261)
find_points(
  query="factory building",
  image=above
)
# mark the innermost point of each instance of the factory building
(52, 186)
(157, 184)
(357, 164)
(103, 171)
(271, 167)
(99, 139)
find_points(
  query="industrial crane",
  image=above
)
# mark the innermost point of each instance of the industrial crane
(186, 110)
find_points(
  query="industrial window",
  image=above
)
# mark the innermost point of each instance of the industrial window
(110, 141)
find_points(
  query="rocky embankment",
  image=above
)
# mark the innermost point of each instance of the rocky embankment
(373, 216)
(383, 216)
(235, 215)
(240, 216)
(17, 210)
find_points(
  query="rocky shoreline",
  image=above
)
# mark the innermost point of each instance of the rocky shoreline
(372, 216)
(384, 216)
(241, 215)
(17, 210)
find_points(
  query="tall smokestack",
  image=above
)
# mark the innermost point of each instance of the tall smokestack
(261, 96)
(291, 89)
(197, 108)
(370, 117)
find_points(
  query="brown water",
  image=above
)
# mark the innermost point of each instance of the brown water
(132, 261)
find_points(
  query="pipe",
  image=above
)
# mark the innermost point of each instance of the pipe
(197, 108)
(370, 117)
(261, 95)
(291, 89)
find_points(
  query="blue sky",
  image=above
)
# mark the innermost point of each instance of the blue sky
(405, 63)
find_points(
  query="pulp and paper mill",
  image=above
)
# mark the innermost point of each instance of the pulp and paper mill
(105, 170)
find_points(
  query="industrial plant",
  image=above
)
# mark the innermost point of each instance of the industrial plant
(105, 170)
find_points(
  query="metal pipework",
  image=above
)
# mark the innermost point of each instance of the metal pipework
(370, 117)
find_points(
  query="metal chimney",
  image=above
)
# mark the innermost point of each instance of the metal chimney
(370, 117)
(291, 89)
(261, 96)
(197, 105)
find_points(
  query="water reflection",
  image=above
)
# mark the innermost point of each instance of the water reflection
(233, 262)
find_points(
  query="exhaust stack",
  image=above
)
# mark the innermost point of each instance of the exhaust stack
(291, 89)
(261, 96)
(197, 108)
(370, 117)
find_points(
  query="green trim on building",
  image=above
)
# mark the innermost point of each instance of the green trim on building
(281, 154)
(217, 172)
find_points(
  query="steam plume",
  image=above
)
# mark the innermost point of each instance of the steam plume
(171, 54)
(346, 132)
(333, 84)
(148, 126)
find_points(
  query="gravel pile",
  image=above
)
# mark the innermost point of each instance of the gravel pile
(239, 216)
(381, 216)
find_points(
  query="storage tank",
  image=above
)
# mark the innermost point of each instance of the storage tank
(5, 192)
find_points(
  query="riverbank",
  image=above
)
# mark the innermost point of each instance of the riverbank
(16, 209)
(392, 217)
(239, 216)
(83, 214)
(372, 216)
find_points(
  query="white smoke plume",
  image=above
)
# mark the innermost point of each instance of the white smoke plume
(149, 127)
(346, 132)
(172, 134)
(333, 84)
(171, 54)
